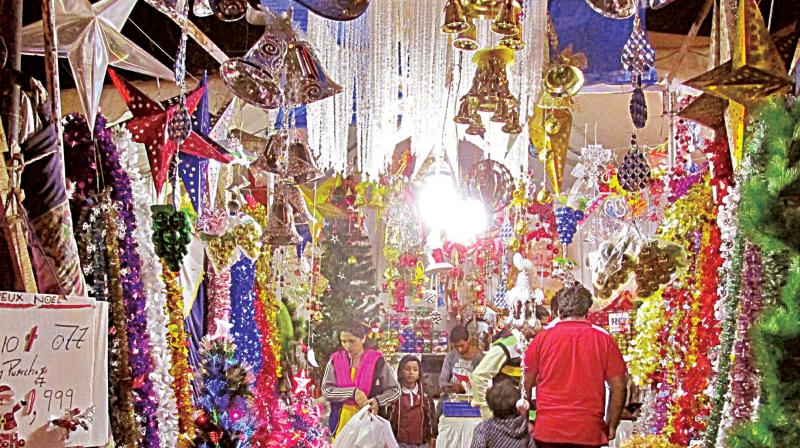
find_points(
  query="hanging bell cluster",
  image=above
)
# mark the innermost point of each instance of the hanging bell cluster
(490, 93)
(290, 159)
(460, 16)
(280, 70)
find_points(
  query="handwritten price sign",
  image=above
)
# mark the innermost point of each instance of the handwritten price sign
(52, 359)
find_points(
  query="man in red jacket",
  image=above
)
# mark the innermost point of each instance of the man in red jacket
(570, 364)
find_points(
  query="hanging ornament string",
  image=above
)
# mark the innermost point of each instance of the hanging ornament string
(129, 431)
(154, 288)
(638, 57)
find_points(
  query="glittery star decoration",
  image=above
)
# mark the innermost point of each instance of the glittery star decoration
(755, 70)
(301, 383)
(89, 37)
(149, 127)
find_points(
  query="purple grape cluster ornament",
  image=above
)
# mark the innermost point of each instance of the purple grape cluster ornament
(566, 223)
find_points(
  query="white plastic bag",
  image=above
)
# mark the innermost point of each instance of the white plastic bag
(365, 430)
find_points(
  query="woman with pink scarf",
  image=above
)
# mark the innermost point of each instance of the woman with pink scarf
(356, 376)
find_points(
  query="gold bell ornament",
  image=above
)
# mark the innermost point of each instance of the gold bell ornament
(280, 228)
(459, 17)
(454, 19)
(490, 93)
(467, 40)
(514, 41)
(564, 78)
(507, 20)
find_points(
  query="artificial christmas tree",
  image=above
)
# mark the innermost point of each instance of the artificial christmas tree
(227, 419)
(351, 295)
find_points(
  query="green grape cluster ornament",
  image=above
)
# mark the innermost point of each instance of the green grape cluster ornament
(171, 235)
(658, 262)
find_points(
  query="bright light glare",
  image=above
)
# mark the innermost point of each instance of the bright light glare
(438, 200)
(442, 207)
(467, 222)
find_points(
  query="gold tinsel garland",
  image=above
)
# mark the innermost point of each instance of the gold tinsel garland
(180, 370)
(648, 441)
(123, 406)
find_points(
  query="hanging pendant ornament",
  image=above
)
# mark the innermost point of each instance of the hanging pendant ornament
(638, 57)
(634, 174)
(180, 125)
(229, 10)
(202, 8)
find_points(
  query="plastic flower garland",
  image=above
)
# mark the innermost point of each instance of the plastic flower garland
(770, 221)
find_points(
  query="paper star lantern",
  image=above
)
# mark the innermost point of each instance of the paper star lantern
(755, 70)
(89, 37)
(149, 127)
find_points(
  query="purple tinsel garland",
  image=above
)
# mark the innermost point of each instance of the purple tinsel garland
(141, 363)
(743, 373)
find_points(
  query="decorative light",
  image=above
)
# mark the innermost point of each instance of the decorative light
(444, 209)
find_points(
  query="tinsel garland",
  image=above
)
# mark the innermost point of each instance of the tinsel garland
(78, 139)
(646, 352)
(128, 430)
(265, 285)
(154, 288)
(731, 272)
(243, 314)
(219, 298)
(91, 241)
(691, 410)
(267, 404)
(648, 441)
(180, 369)
(743, 381)
(768, 219)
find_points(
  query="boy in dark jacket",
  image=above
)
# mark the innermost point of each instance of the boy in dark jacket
(507, 428)
(413, 416)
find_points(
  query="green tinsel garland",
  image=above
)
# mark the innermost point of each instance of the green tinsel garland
(768, 218)
(733, 289)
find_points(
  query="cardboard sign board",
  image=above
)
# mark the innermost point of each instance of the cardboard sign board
(53, 358)
(619, 323)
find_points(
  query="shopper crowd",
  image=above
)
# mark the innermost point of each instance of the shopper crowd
(547, 381)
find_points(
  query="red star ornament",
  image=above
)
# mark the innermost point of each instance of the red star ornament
(149, 126)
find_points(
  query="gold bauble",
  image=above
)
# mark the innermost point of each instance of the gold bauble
(544, 196)
(351, 260)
